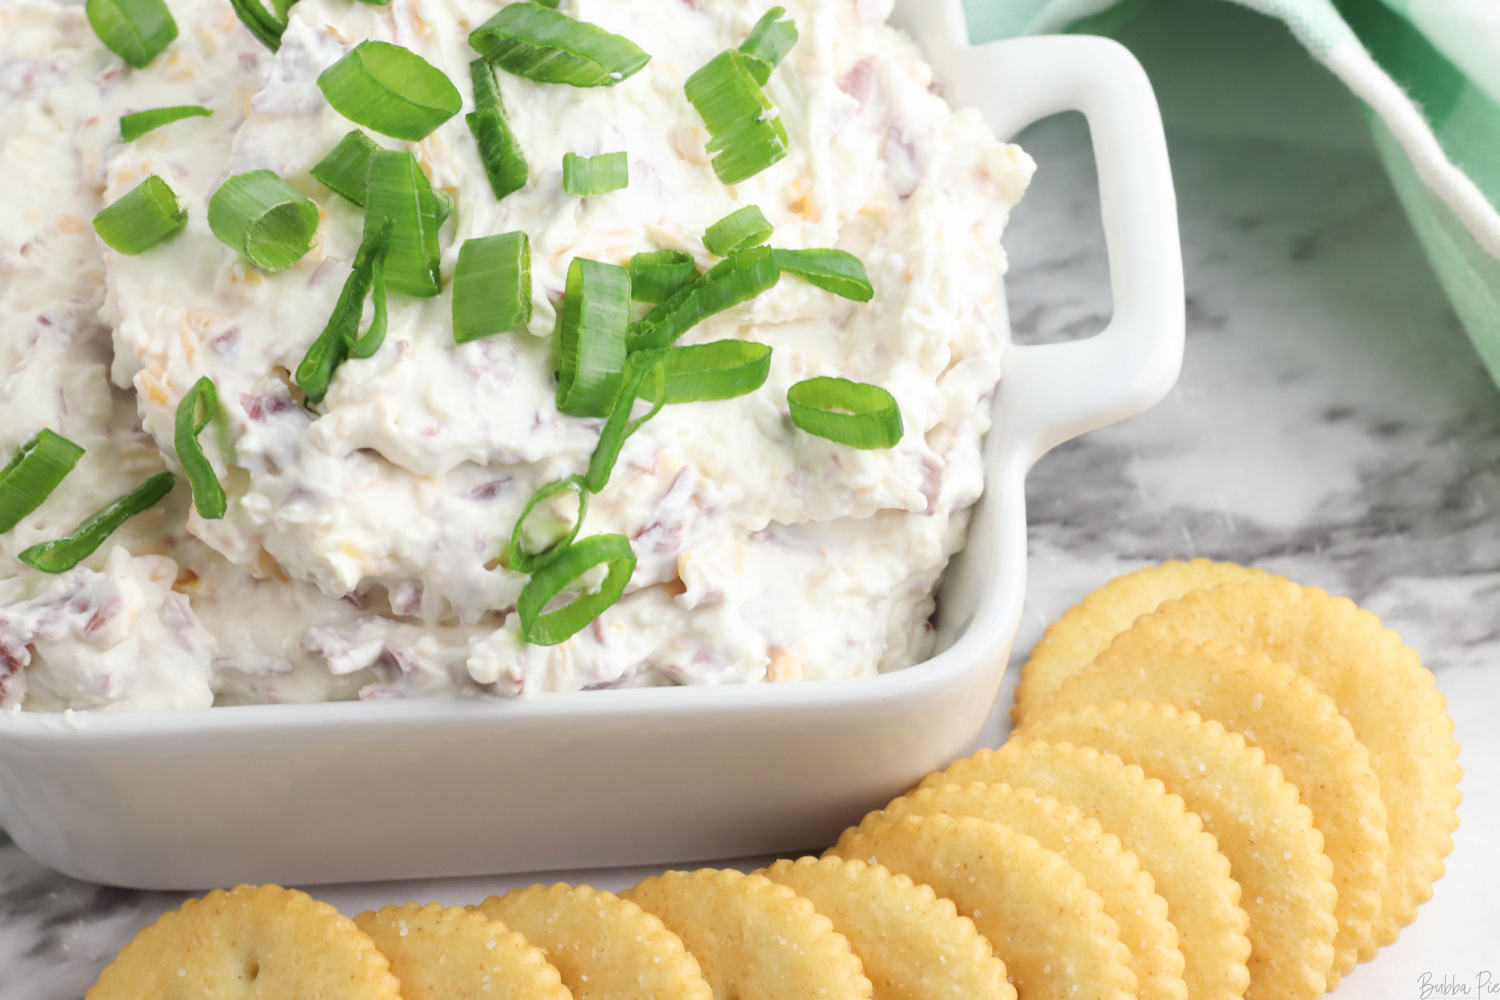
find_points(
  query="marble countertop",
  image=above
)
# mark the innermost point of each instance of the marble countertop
(1331, 424)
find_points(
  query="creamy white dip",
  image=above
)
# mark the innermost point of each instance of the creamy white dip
(359, 554)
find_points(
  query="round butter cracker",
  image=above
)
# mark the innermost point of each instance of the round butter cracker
(1378, 684)
(1085, 630)
(912, 942)
(1046, 924)
(1275, 853)
(1128, 893)
(605, 947)
(1169, 842)
(1297, 727)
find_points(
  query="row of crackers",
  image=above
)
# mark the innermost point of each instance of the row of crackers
(1221, 785)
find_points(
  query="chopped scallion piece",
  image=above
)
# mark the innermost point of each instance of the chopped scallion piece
(541, 44)
(263, 219)
(135, 30)
(522, 559)
(400, 192)
(854, 413)
(194, 413)
(443, 204)
(499, 150)
(733, 280)
(31, 475)
(133, 126)
(589, 175)
(492, 286)
(341, 337)
(769, 41)
(619, 427)
(548, 628)
(838, 271)
(739, 230)
(266, 24)
(63, 554)
(656, 274)
(596, 307)
(722, 369)
(346, 170)
(141, 218)
(391, 90)
(747, 134)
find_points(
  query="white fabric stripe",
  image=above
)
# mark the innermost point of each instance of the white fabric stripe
(1353, 65)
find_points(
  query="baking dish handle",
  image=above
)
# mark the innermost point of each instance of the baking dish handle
(1054, 392)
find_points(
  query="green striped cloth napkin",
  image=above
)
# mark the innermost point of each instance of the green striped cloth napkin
(1428, 72)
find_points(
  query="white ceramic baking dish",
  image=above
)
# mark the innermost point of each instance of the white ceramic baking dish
(382, 790)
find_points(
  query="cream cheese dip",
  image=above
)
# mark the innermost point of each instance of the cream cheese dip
(360, 555)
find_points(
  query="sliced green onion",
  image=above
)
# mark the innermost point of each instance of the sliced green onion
(391, 90)
(839, 271)
(619, 426)
(194, 413)
(341, 337)
(541, 44)
(492, 286)
(656, 274)
(548, 628)
(733, 280)
(769, 41)
(737, 231)
(854, 413)
(723, 369)
(133, 126)
(400, 192)
(523, 560)
(499, 151)
(141, 218)
(64, 553)
(443, 204)
(596, 307)
(135, 30)
(266, 24)
(263, 219)
(590, 175)
(33, 473)
(747, 134)
(346, 170)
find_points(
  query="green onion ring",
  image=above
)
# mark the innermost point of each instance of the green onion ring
(854, 413)
(735, 279)
(500, 152)
(541, 44)
(135, 30)
(141, 218)
(390, 90)
(196, 410)
(523, 561)
(266, 25)
(591, 337)
(746, 130)
(263, 219)
(31, 475)
(133, 126)
(400, 193)
(739, 230)
(619, 427)
(492, 286)
(584, 176)
(722, 369)
(62, 554)
(769, 42)
(838, 271)
(548, 628)
(341, 336)
(346, 169)
(656, 274)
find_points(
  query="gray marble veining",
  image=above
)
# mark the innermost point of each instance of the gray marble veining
(1331, 424)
